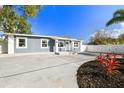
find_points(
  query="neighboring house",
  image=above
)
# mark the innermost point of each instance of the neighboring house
(26, 43)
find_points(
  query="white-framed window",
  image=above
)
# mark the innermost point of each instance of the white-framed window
(44, 43)
(21, 42)
(76, 44)
(61, 44)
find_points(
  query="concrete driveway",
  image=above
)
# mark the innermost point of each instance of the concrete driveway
(40, 70)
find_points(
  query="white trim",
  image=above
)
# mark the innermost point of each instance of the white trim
(17, 42)
(47, 43)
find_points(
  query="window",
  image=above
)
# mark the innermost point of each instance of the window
(61, 44)
(76, 44)
(44, 43)
(21, 42)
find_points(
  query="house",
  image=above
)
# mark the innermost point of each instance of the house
(26, 43)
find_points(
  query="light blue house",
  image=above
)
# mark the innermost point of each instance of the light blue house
(26, 43)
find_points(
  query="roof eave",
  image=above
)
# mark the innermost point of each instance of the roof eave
(52, 37)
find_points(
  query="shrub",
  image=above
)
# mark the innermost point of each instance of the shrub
(109, 63)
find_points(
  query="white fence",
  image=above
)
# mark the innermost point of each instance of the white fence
(103, 48)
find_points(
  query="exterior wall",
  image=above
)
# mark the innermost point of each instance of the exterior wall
(34, 45)
(119, 49)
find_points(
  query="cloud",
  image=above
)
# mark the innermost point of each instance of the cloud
(116, 32)
(122, 24)
(113, 33)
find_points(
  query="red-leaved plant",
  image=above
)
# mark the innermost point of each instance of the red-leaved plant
(109, 63)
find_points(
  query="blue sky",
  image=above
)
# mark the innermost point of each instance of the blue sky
(73, 21)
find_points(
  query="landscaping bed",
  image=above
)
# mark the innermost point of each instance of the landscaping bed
(93, 75)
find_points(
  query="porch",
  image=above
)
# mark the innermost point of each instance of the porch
(67, 46)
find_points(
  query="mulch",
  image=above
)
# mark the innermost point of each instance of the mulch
(92, 75)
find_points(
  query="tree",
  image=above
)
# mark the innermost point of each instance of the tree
(100, 37)
(30, 11)
(121, 36)
(11, 22)
(103, 38)
(118, 16)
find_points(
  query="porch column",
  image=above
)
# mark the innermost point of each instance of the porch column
(10, 44)
(80, 45)
(56, 46)
(72, 46)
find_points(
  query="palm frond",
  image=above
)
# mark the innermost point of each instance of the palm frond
(119, 12)
(115, 20)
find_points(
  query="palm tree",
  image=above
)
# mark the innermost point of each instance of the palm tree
(118, 16)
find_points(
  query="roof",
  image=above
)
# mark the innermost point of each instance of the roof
(52, 37)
